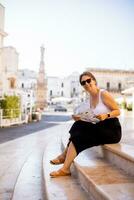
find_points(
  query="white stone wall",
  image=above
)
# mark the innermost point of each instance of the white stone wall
(9, 59)
(2, 14)
(2, 21)
(0, 61)
(27, 80)
(1, 45)
(53, 87)
(9, 68)
(1, 40)
(67, 86)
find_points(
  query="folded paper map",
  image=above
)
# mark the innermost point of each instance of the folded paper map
(86, 113)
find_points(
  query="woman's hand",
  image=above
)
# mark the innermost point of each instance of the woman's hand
(101, 117)
(76, 117)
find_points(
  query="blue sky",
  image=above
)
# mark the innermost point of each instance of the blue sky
(76, 33)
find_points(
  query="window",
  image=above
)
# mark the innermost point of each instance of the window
(119, 86)
(74, 90)
(62, 93)
(22, 85)
(62, 85)
(12, 83)
(51, 92)
(108, 85)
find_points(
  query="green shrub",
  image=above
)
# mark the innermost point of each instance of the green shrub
(129, 107)
(10, 106)
(124, 105)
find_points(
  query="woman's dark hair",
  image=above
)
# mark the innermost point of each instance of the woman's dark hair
(87, 73)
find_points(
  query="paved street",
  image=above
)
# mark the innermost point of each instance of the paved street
(48, 120)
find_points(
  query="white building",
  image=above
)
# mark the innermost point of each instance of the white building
(27, 80)
(8, 62)
(2, 20)
(113, 80)
(53, 87)
(9, 70)
(65, 87)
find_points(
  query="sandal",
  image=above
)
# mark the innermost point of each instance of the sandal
(57, 161)
(59, 173)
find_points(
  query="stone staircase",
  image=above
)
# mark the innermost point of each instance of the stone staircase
(99, 173)
(106, 172)
(60, 188)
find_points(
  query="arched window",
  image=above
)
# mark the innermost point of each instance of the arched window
(22, 85)
(62, 85)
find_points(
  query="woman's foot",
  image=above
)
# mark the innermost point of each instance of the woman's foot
(59, 173)
(57, 161)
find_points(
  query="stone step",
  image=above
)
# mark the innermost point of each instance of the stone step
(29, 184)
(9, 172)
(61, 188)
(122, 155)
(100, 178)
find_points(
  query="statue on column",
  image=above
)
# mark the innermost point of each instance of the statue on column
(42, 53)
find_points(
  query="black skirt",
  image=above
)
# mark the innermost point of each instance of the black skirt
(85, 134)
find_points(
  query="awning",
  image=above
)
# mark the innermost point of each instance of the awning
(128, 91)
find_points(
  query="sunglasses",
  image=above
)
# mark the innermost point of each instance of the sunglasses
(86, 81)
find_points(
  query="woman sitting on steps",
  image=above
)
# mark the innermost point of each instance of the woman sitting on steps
(85, 134)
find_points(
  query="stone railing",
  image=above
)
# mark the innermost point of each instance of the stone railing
(8, 121)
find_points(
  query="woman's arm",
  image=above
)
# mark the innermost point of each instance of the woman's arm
(109, 101)
(76, 117)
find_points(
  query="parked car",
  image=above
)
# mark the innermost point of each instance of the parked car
(60, 108)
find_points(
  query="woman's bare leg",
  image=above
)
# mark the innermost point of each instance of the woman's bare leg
(60, 158)
(63, 154)
(65, 169)
(70, 156)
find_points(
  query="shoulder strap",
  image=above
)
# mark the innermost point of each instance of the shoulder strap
(101, 90)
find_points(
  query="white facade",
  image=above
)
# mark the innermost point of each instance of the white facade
(27, 80)
(113, 80)
(8, 62)
(63, 87)
(2, 20)
(9, 70)
(53, 87)
(9, 59)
